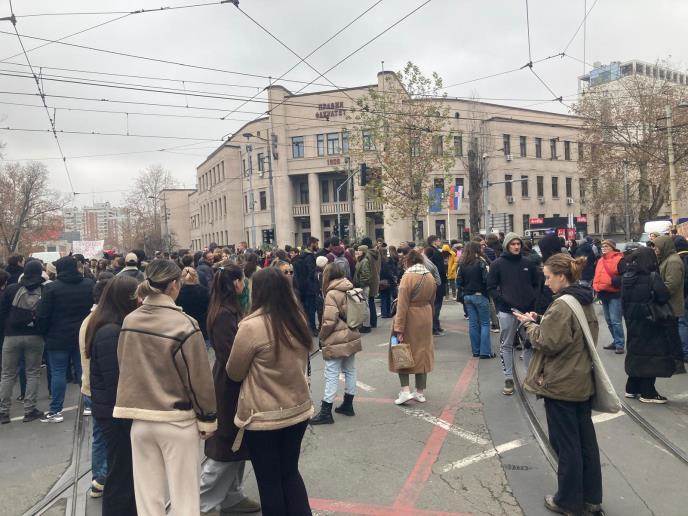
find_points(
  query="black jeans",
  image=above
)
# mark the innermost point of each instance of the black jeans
(437, 308)
(310, 307)
(386, 302)
(275, 459)
(573, 438)
(645, 387)
(373, 312)
(118, 496)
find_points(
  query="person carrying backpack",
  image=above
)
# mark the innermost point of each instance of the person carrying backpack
(18, 309)
(340, 343)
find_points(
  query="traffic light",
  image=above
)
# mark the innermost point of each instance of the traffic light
(364, 174)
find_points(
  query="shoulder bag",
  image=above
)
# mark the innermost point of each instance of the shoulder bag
(605, 398)
(402, 356)
(658, 312)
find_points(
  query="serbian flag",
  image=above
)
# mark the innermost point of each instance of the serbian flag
(455, 194)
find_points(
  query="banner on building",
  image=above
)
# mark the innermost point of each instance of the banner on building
(88, 248)
(436, 195)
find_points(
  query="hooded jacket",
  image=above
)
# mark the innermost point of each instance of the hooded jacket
(561, 367)
(682, 249)
(205, 273)
(64, 305)
(587, 250)
(671, 269)
(14, 271)
(132, 271)
(32, 280)
(375, 265)
(451, 262)
(336, 338)
(513, 280)
(607, 280)
(363, 272)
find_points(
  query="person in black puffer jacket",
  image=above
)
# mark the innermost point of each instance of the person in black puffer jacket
(592, 253)
(194, 299)
(650, 345)
(205, 269)
(102, 335)
(64, 305)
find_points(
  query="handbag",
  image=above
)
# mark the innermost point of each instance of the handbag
(605, 398)
(658, 312)
(402, 357)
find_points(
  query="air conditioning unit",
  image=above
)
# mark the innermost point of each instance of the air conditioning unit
(509, 157)
(541, 200)
(510, 199)
(569, 200)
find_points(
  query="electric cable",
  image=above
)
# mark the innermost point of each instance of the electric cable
(579, 27)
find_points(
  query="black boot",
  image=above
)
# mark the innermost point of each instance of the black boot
(324, 417)
(347, 406)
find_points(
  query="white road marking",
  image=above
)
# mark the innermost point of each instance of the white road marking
(452, 429)
(360, 385)
(66, 409)
(472, 459)
(679, 396)
(601, 418)
(383, 344)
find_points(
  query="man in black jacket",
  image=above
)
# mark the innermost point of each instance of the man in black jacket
(205, 269)
(438, 261)
(592, 253)
(64, 305)
(307, 282)
(21, 338)
(513, 283)
(15, 268)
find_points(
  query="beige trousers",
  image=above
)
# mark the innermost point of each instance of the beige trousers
(166, 457)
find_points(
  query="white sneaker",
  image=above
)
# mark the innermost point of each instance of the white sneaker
(49, 417)
(87, 412)
(404, 396)
(419, 397)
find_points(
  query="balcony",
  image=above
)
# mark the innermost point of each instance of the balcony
(373, 206)
(301, 210)
(333, 208)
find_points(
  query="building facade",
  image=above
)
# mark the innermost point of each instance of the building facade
(98, 222)
(283, 178)
(176, 229)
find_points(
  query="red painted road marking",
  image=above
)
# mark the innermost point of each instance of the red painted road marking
(374, 510)
(366, 399)
(416, 481)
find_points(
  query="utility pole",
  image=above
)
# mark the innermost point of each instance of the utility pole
(486, 202)
(627, 214)
(271, 192)
(252, 206)
(673, 190)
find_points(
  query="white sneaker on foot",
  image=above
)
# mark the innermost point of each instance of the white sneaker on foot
(404, 396)
(419, 397)
(87, 412)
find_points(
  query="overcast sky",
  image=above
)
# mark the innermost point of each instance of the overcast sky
(461, 40)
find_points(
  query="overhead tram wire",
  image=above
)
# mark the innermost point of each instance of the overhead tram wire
(97, 133)
(579, 27)
(310, 54)
(42, 96)
(138, 11)
(530, 55)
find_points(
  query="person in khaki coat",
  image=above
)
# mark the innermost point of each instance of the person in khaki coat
(561, 373)
(339, 345)
(413, 325)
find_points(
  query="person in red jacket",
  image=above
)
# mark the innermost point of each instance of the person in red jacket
(607, 284)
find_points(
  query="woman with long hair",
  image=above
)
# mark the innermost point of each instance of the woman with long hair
(166, 388)
(223, 471)
(561, 373)
(269, 357)
(413, 324)
(117, 300)
(339, 344)
(471, 280)
(194, 298)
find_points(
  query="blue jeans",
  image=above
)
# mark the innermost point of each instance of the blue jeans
(332, 369)
(58, 361)
(683, 331)
(478, 307)
(386, 302)
(98, 449)
(612, 314)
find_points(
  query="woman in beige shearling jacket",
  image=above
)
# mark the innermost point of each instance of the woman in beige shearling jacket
(339, 346)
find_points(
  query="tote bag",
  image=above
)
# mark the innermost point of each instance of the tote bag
(605, 398)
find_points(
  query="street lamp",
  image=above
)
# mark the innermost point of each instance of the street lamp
(270, 187)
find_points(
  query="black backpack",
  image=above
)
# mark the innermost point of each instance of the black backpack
(24, 309)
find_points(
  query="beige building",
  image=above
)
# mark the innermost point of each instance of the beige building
(176, 229)
(301, 149)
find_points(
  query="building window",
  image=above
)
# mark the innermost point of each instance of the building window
(522, 145)
(526, 222)
(555, 187)
(261, 161)
(508, 185)
(581, 187)
(343, 192)
(553, 148)
(324, 190)
(540, 186)
(458, 182)
(320, 141)
(345, 141)
(460, 227)
(303, 193)
(569, 187)
(263, 200)
(224, 203)
(439, 184)
(243, 167)
(333, 143)
(524, 186)
(297, 147)
(437, 145)
(538, 147)
(245, 203)
(367, 140)
(567, 151)
(458, 146)
(507, 144)
(511, 222)
(580, 151)
(415, 146)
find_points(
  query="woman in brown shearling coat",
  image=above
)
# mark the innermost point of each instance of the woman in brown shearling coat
(413, 324)
(339, 345)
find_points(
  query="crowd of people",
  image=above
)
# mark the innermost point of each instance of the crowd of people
(214, 346)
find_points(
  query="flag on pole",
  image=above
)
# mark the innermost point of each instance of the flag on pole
(454, 200)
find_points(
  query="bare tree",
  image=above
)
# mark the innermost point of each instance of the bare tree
(142, 224)
(404, 140)
(27, 204)
(625, 125)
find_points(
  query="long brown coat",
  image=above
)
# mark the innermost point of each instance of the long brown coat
(336, 338)
(414, 320)
(222, 333)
